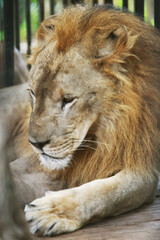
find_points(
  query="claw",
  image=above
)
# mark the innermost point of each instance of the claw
(51, 226)
(31, 205)
(37, 230)
(31, 220)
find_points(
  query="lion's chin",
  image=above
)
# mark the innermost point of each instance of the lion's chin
(55, 163)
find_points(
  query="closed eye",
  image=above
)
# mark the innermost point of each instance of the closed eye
(32, 95)
(68, 101)
(31, 92)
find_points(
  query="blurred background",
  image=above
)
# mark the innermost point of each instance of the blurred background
(19, 20)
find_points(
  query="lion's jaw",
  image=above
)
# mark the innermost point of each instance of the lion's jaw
(61, 156)
(54, 163)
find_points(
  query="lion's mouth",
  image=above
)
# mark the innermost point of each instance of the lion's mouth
(54, 158)
(55, 162)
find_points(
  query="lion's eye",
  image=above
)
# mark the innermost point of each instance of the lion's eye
(67, 100)
(33, 97)
(32, 93)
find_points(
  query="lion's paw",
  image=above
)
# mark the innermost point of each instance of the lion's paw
(53, 214)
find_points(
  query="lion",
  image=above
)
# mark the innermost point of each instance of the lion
(94, 118)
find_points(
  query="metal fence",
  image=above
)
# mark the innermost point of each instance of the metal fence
(10, 26)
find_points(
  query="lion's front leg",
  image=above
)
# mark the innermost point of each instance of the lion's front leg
(68, 210)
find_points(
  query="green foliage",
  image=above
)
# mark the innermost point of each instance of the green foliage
(34, 17)
(34, 20)
(118, 3)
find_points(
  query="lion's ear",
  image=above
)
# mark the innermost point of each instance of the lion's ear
(118, 41)
(46, 29)
(44, 33)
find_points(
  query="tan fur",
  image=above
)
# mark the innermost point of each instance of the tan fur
(113, 57)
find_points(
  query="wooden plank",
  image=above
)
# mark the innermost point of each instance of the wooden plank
(141, 224)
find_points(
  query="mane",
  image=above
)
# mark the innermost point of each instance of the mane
(127, 132)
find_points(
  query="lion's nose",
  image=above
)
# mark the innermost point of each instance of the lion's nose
(39, 145)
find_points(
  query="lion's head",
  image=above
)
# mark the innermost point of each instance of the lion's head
(91, 83)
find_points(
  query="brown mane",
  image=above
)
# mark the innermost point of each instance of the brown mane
(132, 128)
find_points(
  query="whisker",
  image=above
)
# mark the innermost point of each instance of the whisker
(92, 148)
(59, 152)
(80, 149)
(62, 146)
(91, 141)
(87, 146)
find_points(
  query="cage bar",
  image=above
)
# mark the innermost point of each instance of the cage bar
(139, 7)
(28, 23)
(65, 3)
(125, 3)
(9, 42)
(17, 24)
(95, 2)
(51, 7)
(108, 1)
(41, 10)
(157, 13)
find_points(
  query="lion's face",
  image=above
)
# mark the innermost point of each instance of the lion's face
(65, 104)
